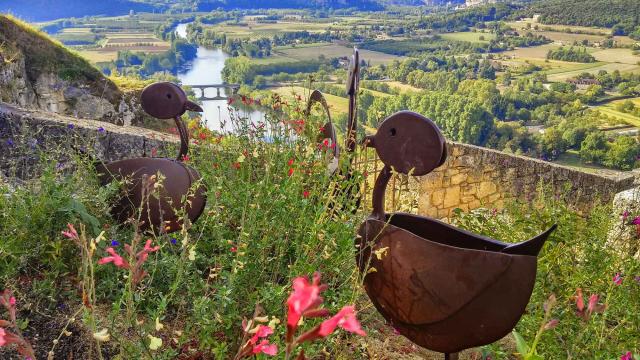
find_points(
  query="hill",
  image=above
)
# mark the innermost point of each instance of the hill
(37, 72)
(45, 10)
(603, 13)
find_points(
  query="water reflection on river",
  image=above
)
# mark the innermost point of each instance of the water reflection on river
(206, 69)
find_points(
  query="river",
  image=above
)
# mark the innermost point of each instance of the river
(206, 69)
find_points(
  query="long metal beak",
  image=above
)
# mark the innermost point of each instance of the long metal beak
(191, 106)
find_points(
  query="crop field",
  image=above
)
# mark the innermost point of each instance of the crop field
(76, 35)
(522, 25)
(335, 50)
(611, 111)
(533, 52)
(609, 67)
(473, 37)
(336, 103)
(623, 56)
(406, 88)
(253, 30)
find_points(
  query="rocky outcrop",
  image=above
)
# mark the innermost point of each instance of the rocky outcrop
(37, 73)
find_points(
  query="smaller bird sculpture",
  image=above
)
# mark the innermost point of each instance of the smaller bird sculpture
(178, 189)
(444, 288)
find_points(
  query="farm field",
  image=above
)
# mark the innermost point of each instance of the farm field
(611, 111)
(406, 88)
(609, 67)
(338, 105)
(522, 25)
(253, 30)
(335, 50)
(572, 159)
(474, 37)
(119, 41)
(623, 56)
(534, 52)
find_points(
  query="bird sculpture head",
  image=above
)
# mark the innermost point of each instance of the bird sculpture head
(165, 100)
(409, 143)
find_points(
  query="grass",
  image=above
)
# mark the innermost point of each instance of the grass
(623, 56)
(338, 105)
(334, 50)
(572, 159)
(473, 37)
(609, 109)
(406, 88)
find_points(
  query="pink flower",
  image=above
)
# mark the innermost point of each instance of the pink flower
(3, 341)
(233, 249)
(617, 279)
(592, 307)
(627, 356)
(12, 301)
(625, 215)
(346, 319)
(263, 332)
(72, 233)
(144, 254)
(551, 324)
(116, 259)
(636, 220)
(265, 348)
(305, 297)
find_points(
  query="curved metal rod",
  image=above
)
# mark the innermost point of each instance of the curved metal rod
(329, 130)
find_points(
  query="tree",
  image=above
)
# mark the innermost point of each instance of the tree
(594, 148)
(623, 153)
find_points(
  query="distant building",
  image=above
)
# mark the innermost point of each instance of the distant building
(583, 83)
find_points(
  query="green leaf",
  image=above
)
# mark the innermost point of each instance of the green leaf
(521, 344)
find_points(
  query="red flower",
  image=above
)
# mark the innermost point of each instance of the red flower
(236, 165)
(346, 319)
(291, 171)
(592, 307)
(627, 356)
(290, 162)
(617, 279)
(233, 249)
(202, 136)
(304, 298)
(116, 259)
(305, 194)
(265, 348)
(72, 233)
(185, 158)
(3, 340)
(230, 101)
(262, 332)
(244, 100)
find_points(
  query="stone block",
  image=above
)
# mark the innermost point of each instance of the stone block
(486, 188)
(458, 179)
(452, 196)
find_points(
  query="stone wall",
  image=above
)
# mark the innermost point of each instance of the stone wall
(25, 136)
(474, 177)
(471, 177)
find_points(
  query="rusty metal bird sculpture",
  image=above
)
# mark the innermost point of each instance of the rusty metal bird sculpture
(162, 100)
(444, 288)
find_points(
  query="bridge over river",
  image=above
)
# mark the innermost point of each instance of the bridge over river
(203, 92)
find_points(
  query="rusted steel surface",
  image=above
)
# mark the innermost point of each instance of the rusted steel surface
(159, 213)
(444, 288)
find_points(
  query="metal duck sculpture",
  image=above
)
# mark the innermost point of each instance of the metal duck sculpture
(162, 100)
(443, 288)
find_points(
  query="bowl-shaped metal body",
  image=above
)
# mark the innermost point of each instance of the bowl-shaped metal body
(160, 213)
(443, 288)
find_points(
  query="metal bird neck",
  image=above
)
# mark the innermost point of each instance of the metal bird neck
(184, 138)
(379, 190)
(350, 143)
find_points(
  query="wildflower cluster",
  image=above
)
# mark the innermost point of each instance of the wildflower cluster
(14, 337)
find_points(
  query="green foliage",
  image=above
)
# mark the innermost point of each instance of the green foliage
(571, 54)
(579, 254)
(603, 13)
(460, 118)
(594, 148)
(623, 153)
